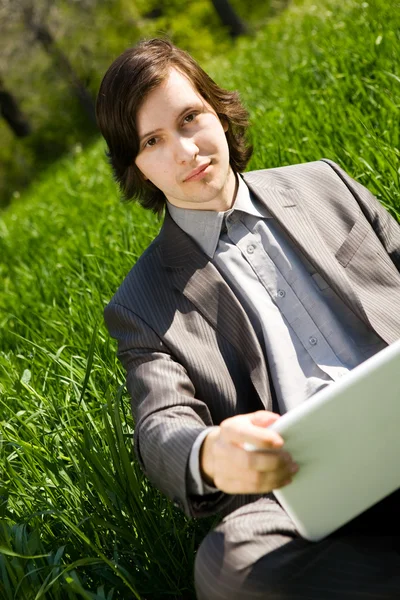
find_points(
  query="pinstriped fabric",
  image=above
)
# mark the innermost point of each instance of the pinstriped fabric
(191, 355)
(347, 250)
(169, 420)
(318, 206)
(255, 553)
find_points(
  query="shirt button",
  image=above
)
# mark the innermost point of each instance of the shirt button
(313, 341)
(250, 248)
(281, 293)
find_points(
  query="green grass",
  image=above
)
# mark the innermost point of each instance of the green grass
(77, 518)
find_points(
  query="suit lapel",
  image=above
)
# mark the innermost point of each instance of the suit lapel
(285, 205)
(192, 273)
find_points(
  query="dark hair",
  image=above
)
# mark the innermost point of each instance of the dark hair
(126, 84)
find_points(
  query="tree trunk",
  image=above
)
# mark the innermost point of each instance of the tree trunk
(45, 38)
(12, 114)
(230, 18)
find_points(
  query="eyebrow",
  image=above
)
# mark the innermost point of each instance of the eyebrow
(145, 135)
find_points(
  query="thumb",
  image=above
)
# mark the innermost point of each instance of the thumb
(264, 418)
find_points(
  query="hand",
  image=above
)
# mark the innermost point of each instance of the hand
(226, 464)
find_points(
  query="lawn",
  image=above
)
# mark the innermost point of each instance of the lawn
(78, 519)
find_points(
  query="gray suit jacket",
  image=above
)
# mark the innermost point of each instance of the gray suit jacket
(191, 355)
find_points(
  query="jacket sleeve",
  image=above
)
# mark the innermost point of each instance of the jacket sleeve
(385, 226)
(168, 417)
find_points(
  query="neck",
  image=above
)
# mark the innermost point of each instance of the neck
(234, 185)
(227, 196)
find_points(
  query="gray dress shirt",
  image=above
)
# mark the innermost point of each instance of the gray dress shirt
(308, 334)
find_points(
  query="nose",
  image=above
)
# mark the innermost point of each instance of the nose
(185, 149)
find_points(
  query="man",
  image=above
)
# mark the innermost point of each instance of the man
(260, 289)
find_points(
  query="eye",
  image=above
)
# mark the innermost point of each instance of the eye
(150, 143)
(191, 117)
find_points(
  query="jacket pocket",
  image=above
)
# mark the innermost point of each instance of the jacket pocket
(353, 241)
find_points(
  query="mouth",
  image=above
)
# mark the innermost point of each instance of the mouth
(198, 173)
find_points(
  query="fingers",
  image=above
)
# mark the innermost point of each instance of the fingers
(240, 459)
(239, 471)
(236, 470)
(252, 482)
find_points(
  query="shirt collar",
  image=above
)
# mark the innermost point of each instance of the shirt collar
(204, 226)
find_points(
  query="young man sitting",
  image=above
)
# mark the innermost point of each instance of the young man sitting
(260, 289)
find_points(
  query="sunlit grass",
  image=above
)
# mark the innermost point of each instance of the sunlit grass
(77, 517)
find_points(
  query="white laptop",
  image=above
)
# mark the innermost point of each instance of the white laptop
(346, 441)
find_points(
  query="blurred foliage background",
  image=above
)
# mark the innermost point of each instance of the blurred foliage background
(53, 54)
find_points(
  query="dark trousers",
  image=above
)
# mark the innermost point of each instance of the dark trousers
(256, 552)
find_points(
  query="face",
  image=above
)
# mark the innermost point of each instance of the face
(179, 134)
